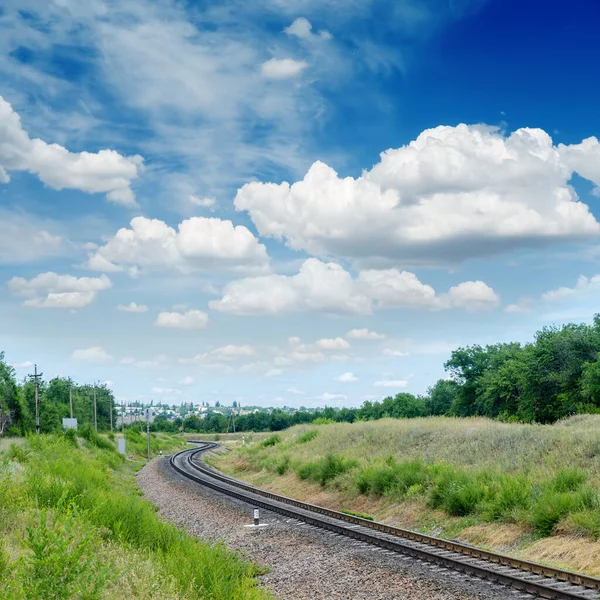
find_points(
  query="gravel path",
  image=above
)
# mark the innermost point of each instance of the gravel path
(306, 563)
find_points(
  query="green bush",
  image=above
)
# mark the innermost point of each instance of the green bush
(70, 436)
(586, 522)
(283, 465)
(325, 469)
(568, 480)
(458, 493)
(271, 440)
(60, 562)
(508, 495)
(550, 508)
(391, 477)
(94, 438)
(308, 436)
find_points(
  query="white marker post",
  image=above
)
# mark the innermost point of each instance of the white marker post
(257, 522)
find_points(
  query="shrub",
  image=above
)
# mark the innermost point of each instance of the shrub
(17, 453)
(586, 522)
(60, 562)
(509, 494)
(283, 465)
(70, 436)
(457, 493)
(325, 469)
(391, 477)
(568, 480)
(308, 436)
(95, 439)
(271, 440)
(550, 508)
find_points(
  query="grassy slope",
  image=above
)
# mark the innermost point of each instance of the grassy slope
(73, 525)
(529, 490)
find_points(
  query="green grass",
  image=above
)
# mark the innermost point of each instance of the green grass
(543, 478)
(73, 525)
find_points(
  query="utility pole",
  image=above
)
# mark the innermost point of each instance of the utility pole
(71, 399)
(36, 376)
(111, 403)
(95, 412)
(148, 412)
(122, 417)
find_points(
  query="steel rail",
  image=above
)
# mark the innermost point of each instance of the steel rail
(543, 581)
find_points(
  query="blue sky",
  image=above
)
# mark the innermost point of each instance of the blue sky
(292, 201)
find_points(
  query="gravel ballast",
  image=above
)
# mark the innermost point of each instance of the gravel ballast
(305, 563)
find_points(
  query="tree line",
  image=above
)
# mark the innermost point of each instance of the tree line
(17, 403)
(552, 377)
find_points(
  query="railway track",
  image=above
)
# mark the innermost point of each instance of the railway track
(530, 577)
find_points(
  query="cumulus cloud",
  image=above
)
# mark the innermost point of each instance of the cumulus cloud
(198, 244)
(50, 290)
(282, 68)
(302, 29)
(187, 380)
(103, 172)
(332, 344)
(192, 319)
(318, 286)
(395, 383)
(364, 334)
(584, 285)
(329, 288)
(95, 354)
(452, 194)
(207, 202)
(347, 378)
(132, 307)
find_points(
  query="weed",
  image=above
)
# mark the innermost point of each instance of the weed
(283, 465)
(357, 514)
(308, 436)
(325, 469)
(568, 480)
(271, 440)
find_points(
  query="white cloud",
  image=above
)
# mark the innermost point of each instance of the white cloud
(22, 365)
(327, 287)
(198, 244)
(332, 344)
(327, 396)
(132, 307)
(192, 320)
(187, 380)
(347, 378)
(273, 372)
(295, 391)
(390, 352)
(25, 238)
(158, 361)
(584, 285)
(50, 290)
(282, 68)
(364, 334)
(95, 354)
(302, 29)
(452, 194)
(398, 383)
(402, 289)
(319, 286)
(103, 172)
(207, 202)
(225, 354)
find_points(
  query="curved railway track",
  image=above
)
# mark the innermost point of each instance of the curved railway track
(530, 577)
